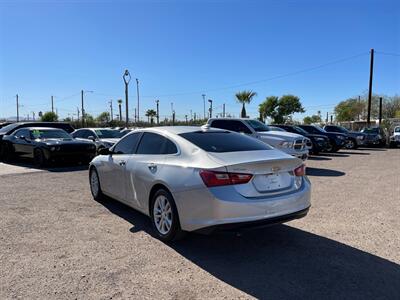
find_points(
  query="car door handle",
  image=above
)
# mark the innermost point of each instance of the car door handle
(122, 163)
(152, 167)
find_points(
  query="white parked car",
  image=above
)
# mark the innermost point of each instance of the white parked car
(192, 178)
(290, 143)
(395, 138)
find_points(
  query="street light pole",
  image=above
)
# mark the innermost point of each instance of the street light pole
(127, 78)
(17, 108)
(211, 102)
(158, 112)
(204, 105)
(82, 110)
(137, 92)
(52, 104)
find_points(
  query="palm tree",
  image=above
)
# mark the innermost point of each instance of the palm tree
(119, 106)
(245, 97)
(150, 114)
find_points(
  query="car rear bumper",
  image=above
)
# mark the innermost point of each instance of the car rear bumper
(204, 208)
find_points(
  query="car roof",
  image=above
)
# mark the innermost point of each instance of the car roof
(232, 119)
(179, 129)
(40, 128)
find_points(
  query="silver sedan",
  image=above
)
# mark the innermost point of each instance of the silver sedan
(200, 179)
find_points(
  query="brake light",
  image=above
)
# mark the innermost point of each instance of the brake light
(212, 178)
(300, 171)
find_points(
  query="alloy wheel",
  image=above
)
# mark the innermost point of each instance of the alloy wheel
(94, 183)
(162, 214)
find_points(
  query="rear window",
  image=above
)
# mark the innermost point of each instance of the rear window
(224, 141)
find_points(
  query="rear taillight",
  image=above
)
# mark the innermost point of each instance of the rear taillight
(300, 171)
(212, 178)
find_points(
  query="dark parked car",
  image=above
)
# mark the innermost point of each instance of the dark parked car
(102, 137)
(7, 130)
(5, 124)
(45, 145)
(375, 136)
(354, 138)
(320, 143)
(336, 140)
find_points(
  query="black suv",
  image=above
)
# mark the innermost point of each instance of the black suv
(6, 130)
(354, 138)
(336, 140)
(320, 143)
(375, 136)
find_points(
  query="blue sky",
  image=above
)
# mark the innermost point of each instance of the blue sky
(181, 49)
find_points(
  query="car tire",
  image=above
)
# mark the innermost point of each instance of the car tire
(39, 159)
(95, 187)
(351, 144)
(7, 152)
(164, 217)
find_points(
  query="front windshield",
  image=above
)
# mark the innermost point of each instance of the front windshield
(397, 129)
(108, 133)
(300, 130)
(49, 134)
(320, 129)
(7, 128)
(342, 129)
(371, 130)
(257, 125)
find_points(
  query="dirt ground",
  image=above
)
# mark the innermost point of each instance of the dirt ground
(56, 242)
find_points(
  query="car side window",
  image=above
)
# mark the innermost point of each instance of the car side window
(23, 132)
(152, 143)
(231, 125)
(77, 134)
(86, 133)
(128, 144)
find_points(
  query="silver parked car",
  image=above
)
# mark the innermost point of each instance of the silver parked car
(102, 137)
(290, 143)
(199, 179)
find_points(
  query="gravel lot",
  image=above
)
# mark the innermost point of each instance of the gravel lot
(56, 242)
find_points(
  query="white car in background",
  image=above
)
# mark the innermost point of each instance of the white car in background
(395, 138)
(290, 143)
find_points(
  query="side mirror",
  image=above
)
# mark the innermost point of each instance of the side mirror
(105, 151)
(91, 137)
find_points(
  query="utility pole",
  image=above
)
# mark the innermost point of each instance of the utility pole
(135, 116)
(331, 119)
(127, 79)
(209, 100)
(380, 111)
(111, 107)
(186, 117)
(137, 92)
(17, 108)
(82, 110)
(194, 116)
(52, 104)
(158, 112)
(223, 110)
(77, 112)
(326, 120)
(204, 105)
(173, 118)
(359, 104)
(371, 72)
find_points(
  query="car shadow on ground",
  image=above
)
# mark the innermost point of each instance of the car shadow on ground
(318, 158)
(356, 153)
(310, 171)
(325, 154)
(372, 149)
(282, 262)
(56, 167)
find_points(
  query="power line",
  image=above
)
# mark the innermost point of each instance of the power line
(267, 79)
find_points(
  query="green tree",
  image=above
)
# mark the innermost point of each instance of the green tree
(49, 117)
(244, 97)
(349, 110)
(150, 114)
(103, 118)
(312, 120)
(280, 109)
